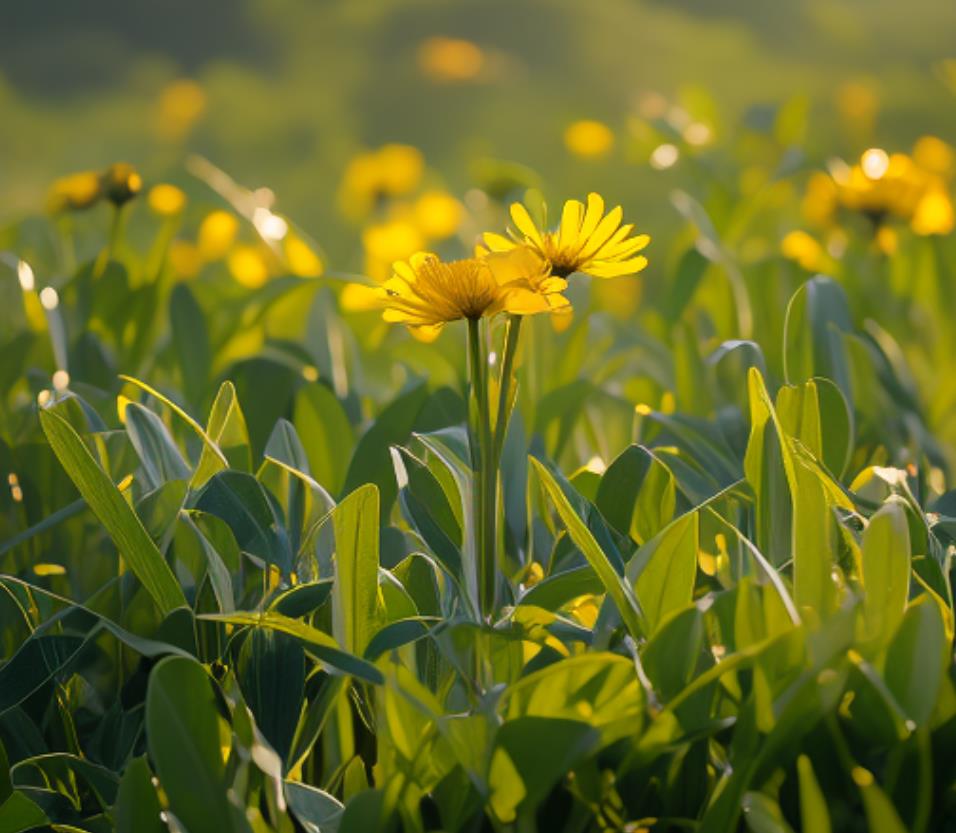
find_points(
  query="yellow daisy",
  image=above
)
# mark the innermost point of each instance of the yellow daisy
(587, 240)
(425, 293)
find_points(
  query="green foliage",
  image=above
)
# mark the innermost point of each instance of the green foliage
(245, 594)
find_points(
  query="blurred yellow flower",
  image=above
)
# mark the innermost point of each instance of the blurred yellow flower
(181, 104)
(589, 139)
(425, 292)
(184, 258)
(805, 250)
(857, 103)
(883, 186)
(166, 200)
(438, 214)
(387, 242)
(450, 59)
(934, 213)
(120, 183)
(74, 192)
(217, 233)
(300, 258)
(587, 240)
(248, 266)
(392, 170)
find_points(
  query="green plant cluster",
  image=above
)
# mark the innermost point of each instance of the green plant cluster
(239, 583)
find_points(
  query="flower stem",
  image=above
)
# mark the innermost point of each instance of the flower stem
(506, 384)
(486, 474)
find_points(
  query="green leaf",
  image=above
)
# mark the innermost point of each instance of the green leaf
(315, 810)
(190, 340)
(326, 434)
(916, 658)
(129, 535)
(18, 813)
(885, 556)
(355, 591)
(371, 462)
(614, 583)
(664, 569)
(182, 730)
(154, 446)
(320, 644)
(881, 815)
(137, 807)
(228, 438)
(813, 805)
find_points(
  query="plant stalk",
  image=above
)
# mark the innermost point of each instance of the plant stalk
(506, 384)
(485, 470)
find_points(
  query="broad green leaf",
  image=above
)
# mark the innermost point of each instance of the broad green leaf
(137, 807)
(229, 438)
(190, 340)
(126, 530)
(881, 815)
(664, 569)
(19, 814)
(161, 459)
(326, 434)
(615, 585)
(182, 730)
(885, 557)
(916, 658)
(315, 810)
(318, 643)
(355, 591)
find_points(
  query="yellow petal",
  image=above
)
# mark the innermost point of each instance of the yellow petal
(498, 242)
(593, 214)
(603, 232)
(571, 218)
(357, 297)
(524, 223)
(618, 269)
(426, 332)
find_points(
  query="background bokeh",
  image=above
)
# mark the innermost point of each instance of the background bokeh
(285, 91)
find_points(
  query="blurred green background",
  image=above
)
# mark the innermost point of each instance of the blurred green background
(290, 89)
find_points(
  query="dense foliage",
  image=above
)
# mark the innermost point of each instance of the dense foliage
(243, 587)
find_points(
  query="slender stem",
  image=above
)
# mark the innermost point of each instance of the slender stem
(506, 384)
(486, 475)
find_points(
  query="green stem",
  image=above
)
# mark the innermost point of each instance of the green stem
(486, 475)
(506, 384)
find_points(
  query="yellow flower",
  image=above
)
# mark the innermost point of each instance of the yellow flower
(425, 293)
(384, 243)
(588, 138)
(74, 192)
(392, 170)
(166, 200)
(587, 240)
(120, 183)
(934, 155)
(217, 233)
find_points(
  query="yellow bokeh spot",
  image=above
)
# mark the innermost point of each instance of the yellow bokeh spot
(166, 200)
(804, 249)
(49, 570)
(589, 139)
(620, 297)
(887, 240)
(450, 59)
(248, 266)
(934, 213)
(300, 258)
(387, 242)
(122, 402)
(217, 233)
(184, 258)
(438, 214)
(181, 104)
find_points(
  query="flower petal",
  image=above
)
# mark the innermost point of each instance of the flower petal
(522, 219)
